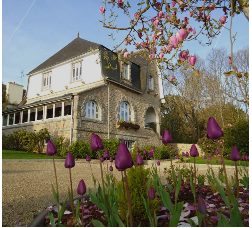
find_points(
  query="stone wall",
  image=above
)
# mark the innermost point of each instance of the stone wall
(58, 127)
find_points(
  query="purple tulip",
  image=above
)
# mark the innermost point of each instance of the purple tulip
(194, 151)
(166, 137)
(111, 168)
(81, 189)
(202, 205)
(69, 161)
(50, 148)
(139, 160)
(213, 129)
(158, 163)
(123, 159)
(151, 193)
(183, 154)
(235, 154)
(96, 142)
(88, 158)
(106, 155)
(187, 154)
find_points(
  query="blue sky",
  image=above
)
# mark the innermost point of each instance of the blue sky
(33, 30)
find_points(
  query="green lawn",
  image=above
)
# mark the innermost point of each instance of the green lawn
(12, 154)
(215, 161)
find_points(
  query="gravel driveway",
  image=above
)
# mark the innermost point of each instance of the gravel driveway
(27, 185)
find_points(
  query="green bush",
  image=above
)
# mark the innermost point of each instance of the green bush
(80, 149)
(111, 145)
(208, 146)
(61, 144)
(139, 182)
(237, 134)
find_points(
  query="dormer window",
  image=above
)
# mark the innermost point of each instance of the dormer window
(150, 83)
(126, 71)
(47, 80)
(77, 71)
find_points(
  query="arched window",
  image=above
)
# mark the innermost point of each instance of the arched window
(124, 111)
(92, 110)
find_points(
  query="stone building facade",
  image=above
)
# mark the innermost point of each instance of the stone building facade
(86, 88)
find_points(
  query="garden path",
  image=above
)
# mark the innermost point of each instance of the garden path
(27, 185)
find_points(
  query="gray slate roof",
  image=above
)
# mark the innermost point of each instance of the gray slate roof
(75, 48)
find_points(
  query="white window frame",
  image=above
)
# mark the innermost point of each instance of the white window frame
(92, 110)
(150, 82)
(76, 71)
(129, 144)
(126, 68)
(47, 80)
(124, 111)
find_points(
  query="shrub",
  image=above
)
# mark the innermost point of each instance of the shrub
(80, 149)
(111, 145)
(41, 137)
(138, 178)
(208, 146)
(61, 144)
(237, 134)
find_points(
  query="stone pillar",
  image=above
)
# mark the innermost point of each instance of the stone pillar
(62, 108)
(36, 113)
(21, 117)
(53, 110)
(75, 117)
(8, 117)
(14, 118)
(44, 112)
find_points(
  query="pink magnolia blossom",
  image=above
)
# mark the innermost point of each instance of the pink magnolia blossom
(181, 35)
(126, 54)
(156, 22)
(152, 56)
(183, 55)
(102, 10)
(168, 48)
(192, 60)
(160, 14)
(173, 41)
(223, 20)
(120, 3)
(211, 6)
(137, 15)
(173, 3)
(161, 55)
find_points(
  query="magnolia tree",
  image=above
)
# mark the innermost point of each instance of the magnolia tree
(162, 28)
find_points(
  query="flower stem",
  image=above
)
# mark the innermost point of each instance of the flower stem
(57, 186)
(129, 199)
(123, 186)
(103, 185)
(71, 193)
(194, 163)
(237, 179)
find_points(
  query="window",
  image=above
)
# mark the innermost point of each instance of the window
(124, 112)
(47, 80)
(129, 144)
(25, 116)
(77, 71)
(150, 83)
(91, 110)
(49, 112)
(17, 118)
(58, 109)
(40, 113)
(67, 109)
(11, 118)
(126, 71)
(32, 114)
(5, 117)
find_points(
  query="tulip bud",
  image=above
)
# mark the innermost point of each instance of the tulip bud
(194, 151)
(139, 160)
(158, 163)
(106, 155)
(50, 148)
(166, 137)
(151, 193)
(235, 154)
(213, 129)
(88, 158)
(151, 153)
(69, 161)
(102, 159)
(96, 142)
(81, 189)
(123, 159)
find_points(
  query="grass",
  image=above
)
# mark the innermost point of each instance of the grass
(13, 154)
(215, 161)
